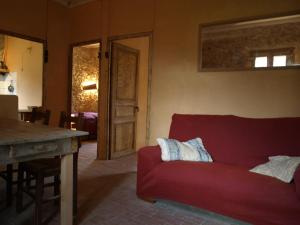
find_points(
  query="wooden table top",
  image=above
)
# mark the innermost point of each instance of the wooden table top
(13, 132)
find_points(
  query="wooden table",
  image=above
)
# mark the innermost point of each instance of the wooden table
(21, 141)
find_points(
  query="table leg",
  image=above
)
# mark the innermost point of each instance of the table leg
(75, 180)
(66, 190)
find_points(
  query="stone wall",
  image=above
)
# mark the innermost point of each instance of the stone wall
(85, 71)
(235, 48)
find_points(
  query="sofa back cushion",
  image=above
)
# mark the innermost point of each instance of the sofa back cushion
(297, 181)
(241, 141)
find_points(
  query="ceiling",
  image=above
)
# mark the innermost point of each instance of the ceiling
(71, 3)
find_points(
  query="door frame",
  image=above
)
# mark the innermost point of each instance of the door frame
(70, 73)
(109, 49)
(44, 43)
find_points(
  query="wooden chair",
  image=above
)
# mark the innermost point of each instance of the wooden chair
(9, 110)
(38, 114)
(39, 170)
(66, 121)
(7, 175)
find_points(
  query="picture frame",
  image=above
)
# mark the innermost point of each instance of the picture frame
(252, 44)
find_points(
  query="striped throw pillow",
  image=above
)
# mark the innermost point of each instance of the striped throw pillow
(192, 150)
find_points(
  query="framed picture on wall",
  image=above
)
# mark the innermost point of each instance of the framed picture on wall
(268, 43)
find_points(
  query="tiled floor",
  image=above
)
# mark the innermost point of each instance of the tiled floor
(106, 196)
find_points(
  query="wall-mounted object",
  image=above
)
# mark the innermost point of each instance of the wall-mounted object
(89, 87)
(11, 87)
(252, 44)
(8, 84)
(3, 67)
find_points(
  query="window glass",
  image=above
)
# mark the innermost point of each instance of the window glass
(261, 61)
(279, 60)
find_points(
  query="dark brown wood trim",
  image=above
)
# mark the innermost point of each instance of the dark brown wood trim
(199, 53)
(22, 36)
(127, 36)
(250, 69)
(44, 79)
(82, 43)
(245, 19)
(149, 87)
(70, 66)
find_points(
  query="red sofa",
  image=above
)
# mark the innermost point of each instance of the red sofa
(226, 186)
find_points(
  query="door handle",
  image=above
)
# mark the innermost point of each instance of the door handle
(136, 108)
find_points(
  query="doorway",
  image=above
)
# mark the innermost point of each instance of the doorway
(22, 70)
(129, 94)
(83, 93)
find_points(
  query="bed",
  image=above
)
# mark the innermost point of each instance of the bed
(88, 123)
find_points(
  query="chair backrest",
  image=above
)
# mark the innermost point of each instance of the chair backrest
(66, 121)
(9, 106)
(38, 114)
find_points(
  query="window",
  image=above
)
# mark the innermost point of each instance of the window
(261, 61)
(272, 58)
(279, 60)
(262, 43)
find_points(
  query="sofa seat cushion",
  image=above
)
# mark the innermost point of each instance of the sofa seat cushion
(236, 191)
(297, 181)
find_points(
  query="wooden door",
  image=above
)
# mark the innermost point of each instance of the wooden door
(123, 102)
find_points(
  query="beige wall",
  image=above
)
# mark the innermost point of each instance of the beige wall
(85, 22)
(25, 58)
(24, 17)
(29, 18)
(142, 44)
(177, 86)
(57, 66)
(130, 16)
(121, 17)
(102, 19)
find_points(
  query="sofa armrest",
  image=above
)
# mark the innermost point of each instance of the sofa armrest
(148, 158)
(297, 181)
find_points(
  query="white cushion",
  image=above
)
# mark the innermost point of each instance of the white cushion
(192, 150)
(280, 167)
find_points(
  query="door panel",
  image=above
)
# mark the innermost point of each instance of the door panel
(125, 111)
(126, 74)
(124, 136)
(123, 105)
